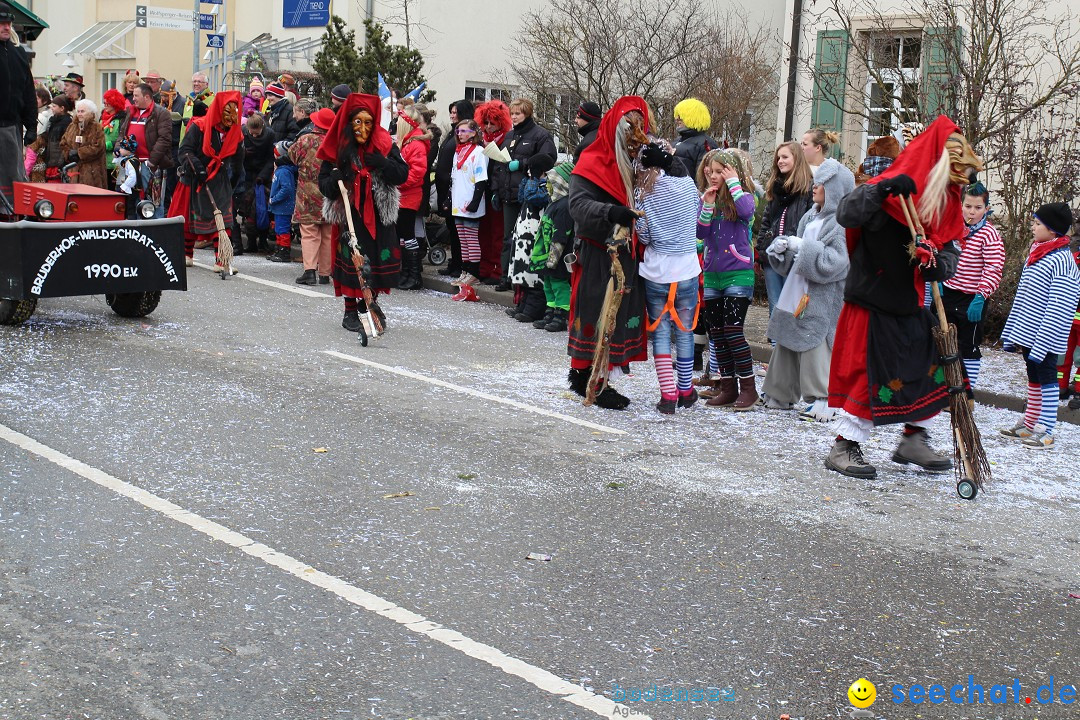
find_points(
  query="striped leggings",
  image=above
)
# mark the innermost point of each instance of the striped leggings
(468, 230)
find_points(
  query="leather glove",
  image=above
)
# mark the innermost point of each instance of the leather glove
(975, 309)
(374, 160)
(30, 136)
(621, 215)
(898, 185)
(513, 165)
(655, 156)
(777, 247)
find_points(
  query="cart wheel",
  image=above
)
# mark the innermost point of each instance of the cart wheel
(967, 489)
(134, 305)
(436, 255)
(363, 336)
(16, 312)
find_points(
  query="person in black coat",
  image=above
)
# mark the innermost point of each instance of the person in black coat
(444, 163)
(525, 140)
(279, 115)
(588, 122)
(692, 120)
(787, 198)
(258, 174)
(18, 112)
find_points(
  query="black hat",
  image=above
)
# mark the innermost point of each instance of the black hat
(589, 110)
(341, 92)
(74, 77)
(1057, 217)
(539, 164)
(6, 16)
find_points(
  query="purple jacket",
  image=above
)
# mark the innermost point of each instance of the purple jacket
(727, 242)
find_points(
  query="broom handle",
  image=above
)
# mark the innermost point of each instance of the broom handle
(348, 213)
(917, 232)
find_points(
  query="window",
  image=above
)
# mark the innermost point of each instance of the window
(480, 93)
(109, 81)
(892, 91)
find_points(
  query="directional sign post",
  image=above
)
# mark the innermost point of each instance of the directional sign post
(215, 41)
(147, 16)
(207, 22)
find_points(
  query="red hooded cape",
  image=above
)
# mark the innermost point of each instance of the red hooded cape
(233, 136)
(597, 162)
(916, 161)
(337, 139)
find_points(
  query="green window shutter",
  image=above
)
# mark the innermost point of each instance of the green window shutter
(938, 71)
(830, 80)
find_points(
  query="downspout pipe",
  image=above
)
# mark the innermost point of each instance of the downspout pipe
(793, 67)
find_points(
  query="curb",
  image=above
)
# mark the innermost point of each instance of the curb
(760, 351)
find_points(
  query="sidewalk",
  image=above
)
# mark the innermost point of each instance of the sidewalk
(1002, 375)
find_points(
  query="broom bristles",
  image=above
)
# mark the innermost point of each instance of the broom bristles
(968, 453)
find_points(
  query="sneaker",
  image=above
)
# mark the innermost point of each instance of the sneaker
(665, 406)
(761, 370)
(1019, 431)
(1064, 394)
(1039, 441)
(817, 411)
(915, 448)
(846, 458)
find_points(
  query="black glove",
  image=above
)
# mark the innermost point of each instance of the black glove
(73, 156)
(374, 160)
(198, 170)
(335, 175)
(30, 136)
(655, 156)
(621, 215)
(898, 185)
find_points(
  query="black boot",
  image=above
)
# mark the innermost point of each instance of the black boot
(308, 278)
(611, 399)
(558, 321)
(351, 321)
(532, 305)
(452, 269)
(281, 255)
(410, 270)
(542, 322)
(579, 381)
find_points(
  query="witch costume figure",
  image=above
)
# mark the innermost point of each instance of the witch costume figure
(601, 198)
(885, 367)
(210, 162)
(360, 152)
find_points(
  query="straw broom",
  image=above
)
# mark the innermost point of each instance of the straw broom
(609, 311)
(969, 456)
(224, 249)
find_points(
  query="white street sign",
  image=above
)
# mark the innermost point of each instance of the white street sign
(160, 18)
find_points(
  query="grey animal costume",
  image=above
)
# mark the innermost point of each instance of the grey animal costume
(800, 361)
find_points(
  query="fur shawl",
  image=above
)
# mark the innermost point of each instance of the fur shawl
(387, 203)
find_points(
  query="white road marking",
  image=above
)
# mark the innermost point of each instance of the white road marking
(542, 679)
(271, 283)
(475, 393)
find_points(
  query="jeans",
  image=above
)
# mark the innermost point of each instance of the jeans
(686, 297)
(774, 285)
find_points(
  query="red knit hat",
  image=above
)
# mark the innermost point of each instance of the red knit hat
(275, 89)
(114, 99)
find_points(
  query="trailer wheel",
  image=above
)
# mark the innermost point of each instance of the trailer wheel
(134, 305)
(15, 312)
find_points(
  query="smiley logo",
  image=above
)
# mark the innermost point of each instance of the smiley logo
(862, 693)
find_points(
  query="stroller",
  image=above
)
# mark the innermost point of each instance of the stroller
(438, 240)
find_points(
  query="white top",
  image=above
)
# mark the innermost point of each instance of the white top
(665, 268)
(463, 179)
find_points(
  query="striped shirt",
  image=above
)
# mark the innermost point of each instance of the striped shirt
(982, 257)
(1043, 309)
(670, 222)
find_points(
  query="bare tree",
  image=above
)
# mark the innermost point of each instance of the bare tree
(662, 50)
(405, 15)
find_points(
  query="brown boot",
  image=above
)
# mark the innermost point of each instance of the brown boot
(725, 394)
(747, 394)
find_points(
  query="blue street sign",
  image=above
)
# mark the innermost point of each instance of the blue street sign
(305, 13)
(215, 41)
(212, 2)
(206, 22)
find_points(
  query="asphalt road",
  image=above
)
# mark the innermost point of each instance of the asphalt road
(197, 521)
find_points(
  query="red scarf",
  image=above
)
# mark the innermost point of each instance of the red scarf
(231, 138)
(496, 138)
(597, 162)
(462, 157)
(1040, 250)
(337, 140)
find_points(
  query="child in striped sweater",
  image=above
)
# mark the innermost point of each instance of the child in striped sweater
(978, 274)
(1040, 319)
(670, 270)
(724, 220)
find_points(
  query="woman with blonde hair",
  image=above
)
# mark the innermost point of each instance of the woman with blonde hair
(787, 198)
(413, 140)
(816, 146)
(84, 143)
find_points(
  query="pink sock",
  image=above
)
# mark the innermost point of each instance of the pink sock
(1034, 405)
(666, 377)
